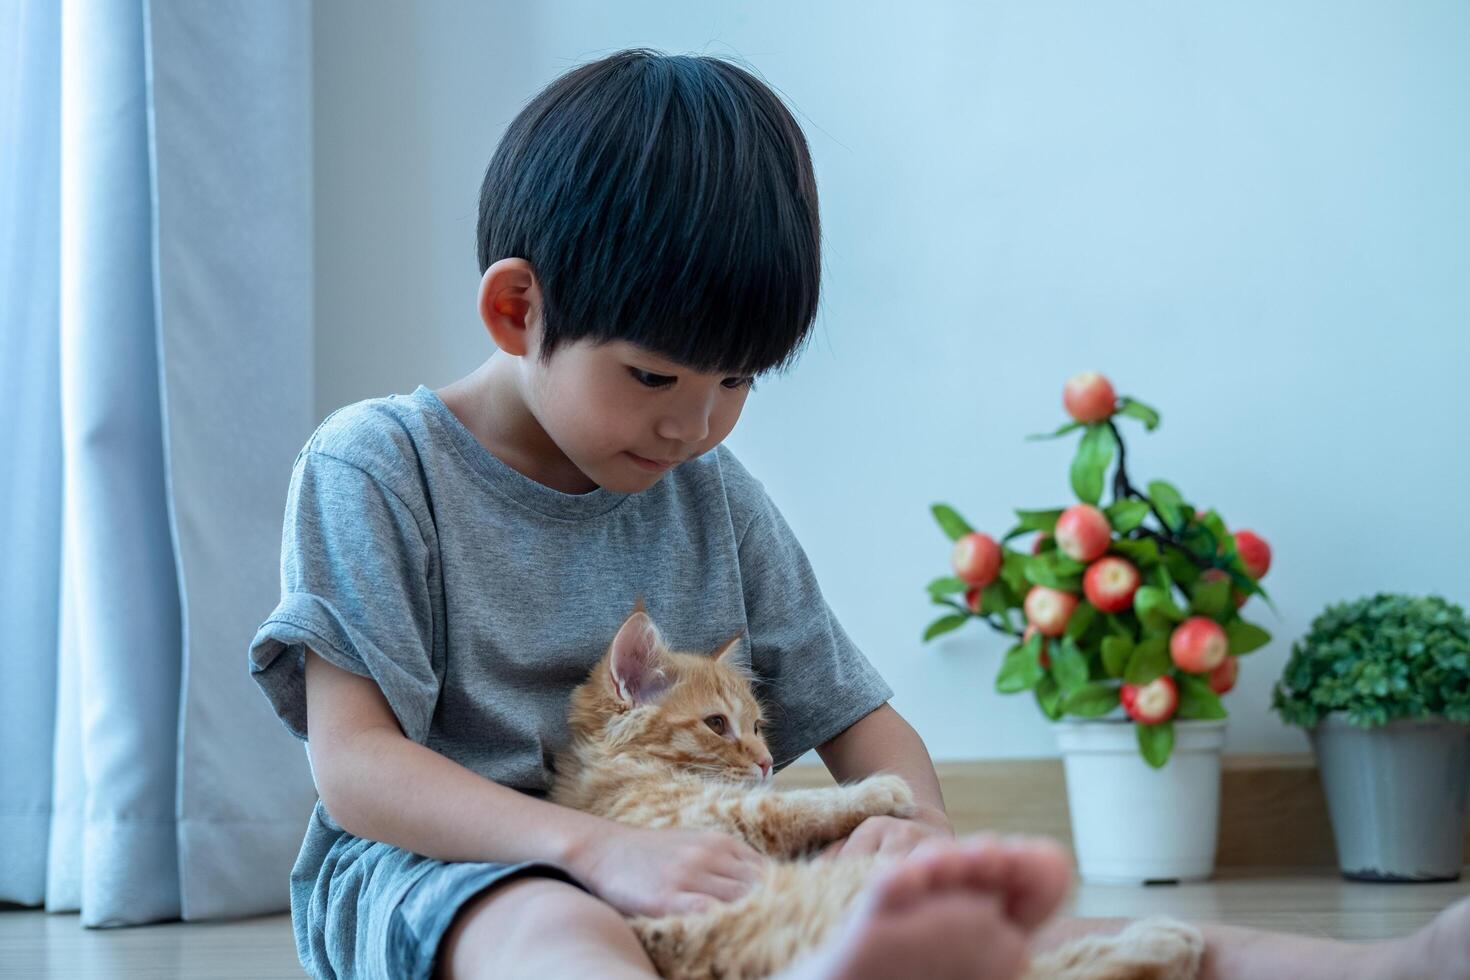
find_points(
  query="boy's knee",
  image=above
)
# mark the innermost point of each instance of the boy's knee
(511, 923)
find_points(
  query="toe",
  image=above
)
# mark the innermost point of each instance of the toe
(1039, 877)
(898, 887)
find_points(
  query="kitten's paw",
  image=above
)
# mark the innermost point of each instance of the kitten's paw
(884, 795)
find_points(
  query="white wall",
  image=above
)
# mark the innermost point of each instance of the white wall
(1254, 218)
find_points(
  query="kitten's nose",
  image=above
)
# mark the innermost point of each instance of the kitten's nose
(765, 765)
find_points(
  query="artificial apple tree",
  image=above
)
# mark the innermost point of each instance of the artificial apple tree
(1134, 604)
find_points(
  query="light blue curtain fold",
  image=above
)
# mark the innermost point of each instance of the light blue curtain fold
(156, 296)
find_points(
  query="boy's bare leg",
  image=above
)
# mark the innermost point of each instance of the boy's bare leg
(540, 927)
(1439, 951)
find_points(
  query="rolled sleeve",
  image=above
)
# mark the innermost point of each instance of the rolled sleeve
(356, 588)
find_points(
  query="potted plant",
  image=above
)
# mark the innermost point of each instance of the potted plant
(1382, 684)
(1129, 621)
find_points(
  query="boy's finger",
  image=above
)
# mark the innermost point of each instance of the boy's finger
(723, 888)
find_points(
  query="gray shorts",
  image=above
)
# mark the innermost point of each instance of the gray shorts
(374, 911)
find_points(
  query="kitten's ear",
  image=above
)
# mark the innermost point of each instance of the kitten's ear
(636, 661)
(731, 654)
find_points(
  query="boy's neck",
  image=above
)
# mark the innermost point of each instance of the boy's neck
(489, 403)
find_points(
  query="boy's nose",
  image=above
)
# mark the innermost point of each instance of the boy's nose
(687, 431)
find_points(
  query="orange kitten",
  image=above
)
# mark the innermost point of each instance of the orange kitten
(661, 738)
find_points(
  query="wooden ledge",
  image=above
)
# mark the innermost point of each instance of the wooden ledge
(1272, 811)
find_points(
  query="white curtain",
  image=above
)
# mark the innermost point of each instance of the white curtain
(156, 374)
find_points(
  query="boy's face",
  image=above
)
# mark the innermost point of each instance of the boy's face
(606, 405)
(603, 405)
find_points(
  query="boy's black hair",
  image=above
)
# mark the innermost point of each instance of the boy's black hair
(666, 200)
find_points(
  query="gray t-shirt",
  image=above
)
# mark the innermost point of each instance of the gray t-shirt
(477, 598)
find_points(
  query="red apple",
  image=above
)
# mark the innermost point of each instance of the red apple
(1049, 609)
(976, 558)
(1040, 540)
(1222, 678)
(1198, 645)
(1109, 584)
(1089, 397)
(1255, 553)
(1026, 638)
(1219, 575)
(1083, 533)
(1151, 703)
(972, 598)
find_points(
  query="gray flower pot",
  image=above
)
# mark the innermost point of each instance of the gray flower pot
(1396, 796)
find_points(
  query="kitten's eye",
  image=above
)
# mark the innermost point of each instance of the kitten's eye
(716, 724)
(756, 728)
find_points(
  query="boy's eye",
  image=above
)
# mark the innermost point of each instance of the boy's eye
(716, 724)
(651, 380)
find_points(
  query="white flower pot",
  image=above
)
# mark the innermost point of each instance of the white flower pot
(1132, 823)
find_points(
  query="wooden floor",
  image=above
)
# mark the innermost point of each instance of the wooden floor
(34, 945)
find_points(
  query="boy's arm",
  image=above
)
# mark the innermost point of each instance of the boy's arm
(882, 741)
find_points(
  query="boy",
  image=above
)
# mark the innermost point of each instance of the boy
(454, 561)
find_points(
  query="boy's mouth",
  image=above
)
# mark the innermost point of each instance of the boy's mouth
(649, 464)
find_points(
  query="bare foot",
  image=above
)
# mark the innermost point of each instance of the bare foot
(1439, 951)
(964, 908)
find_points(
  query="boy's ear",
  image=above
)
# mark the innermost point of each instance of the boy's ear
(509, 300)
(638, 670)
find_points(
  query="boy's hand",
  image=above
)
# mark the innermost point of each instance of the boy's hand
(895, 836)
(639, 871)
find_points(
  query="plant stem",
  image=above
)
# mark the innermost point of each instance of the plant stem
(1123, 489)
(1007, 630)
(1143, 532)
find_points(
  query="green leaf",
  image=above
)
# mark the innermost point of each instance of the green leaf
(1021, 668)
(1168, 502)
(1143, 552)
(1068, 665)
(1052, 435)
(1156, 607)
(1150, 659)
(950, 521)
(1048, 697)
(996, 597)
(1082, 617)
(1215, 524)
(1013, 571)
(1156, 742)
(1090, 464)
(1092, 700)
(1125, 515)
(944, 624)
(1055, 570)
(1039, 520)
(948, 585)
(1115, 653)
(1138, 410)
(1197, 700)
(1245, 637)
(1212, 599)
